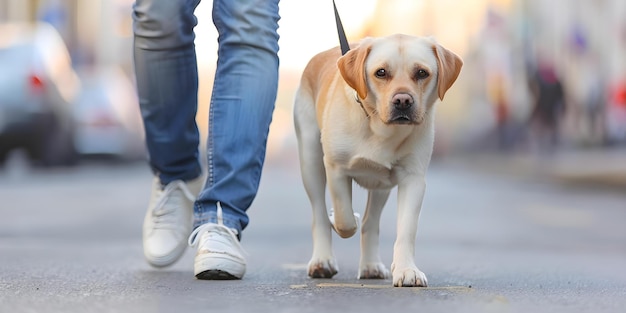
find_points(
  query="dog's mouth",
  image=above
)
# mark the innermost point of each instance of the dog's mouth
(402, 119)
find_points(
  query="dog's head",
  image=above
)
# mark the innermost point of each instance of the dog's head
(399, 77)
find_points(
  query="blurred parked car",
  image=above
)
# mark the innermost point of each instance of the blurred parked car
(37, 89)
(108, 121)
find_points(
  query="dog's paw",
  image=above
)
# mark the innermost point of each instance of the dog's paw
(331, 218)
(373, 271)
(322, 268)
(409, 277)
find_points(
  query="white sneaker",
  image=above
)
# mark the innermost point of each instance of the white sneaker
(220, 256)
(169, 220)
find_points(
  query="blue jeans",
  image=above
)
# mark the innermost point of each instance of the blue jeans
(242, 102)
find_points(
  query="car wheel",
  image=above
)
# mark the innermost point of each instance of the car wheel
(3, 156)
(57, 147)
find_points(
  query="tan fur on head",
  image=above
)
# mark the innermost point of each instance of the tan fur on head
(352, 67)
(449, 68)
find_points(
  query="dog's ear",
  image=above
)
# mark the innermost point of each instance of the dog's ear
(352, 67)
(449, 68)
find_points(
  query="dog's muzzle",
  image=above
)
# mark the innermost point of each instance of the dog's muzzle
(403, 109)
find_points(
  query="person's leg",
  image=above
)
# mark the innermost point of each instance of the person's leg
(244, 92)
(167, 86)
(241, 108)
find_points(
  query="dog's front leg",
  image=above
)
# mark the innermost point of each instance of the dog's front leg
(340, 187)
(370, 265)
(410, 196)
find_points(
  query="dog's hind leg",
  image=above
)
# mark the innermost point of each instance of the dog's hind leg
(322, 263)
(370, 265)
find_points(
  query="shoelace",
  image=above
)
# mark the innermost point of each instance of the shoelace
(216, 228)
(163, 218)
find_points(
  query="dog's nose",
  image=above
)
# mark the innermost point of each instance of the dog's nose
(402, 101)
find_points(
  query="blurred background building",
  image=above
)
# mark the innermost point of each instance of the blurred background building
(538, 75)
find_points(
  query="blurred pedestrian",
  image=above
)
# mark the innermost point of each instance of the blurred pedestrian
(616, 112)
(498, 96)
(549, 104)
(240, 113)
(594, 102)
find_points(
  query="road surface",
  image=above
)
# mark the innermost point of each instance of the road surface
(70, 241)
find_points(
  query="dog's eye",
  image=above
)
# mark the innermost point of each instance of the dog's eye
(421, 74)
(380, 73)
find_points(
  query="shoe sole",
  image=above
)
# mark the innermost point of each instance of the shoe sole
(218, 267)
(215, 275)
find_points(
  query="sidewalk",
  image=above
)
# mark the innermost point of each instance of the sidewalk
(598, 168)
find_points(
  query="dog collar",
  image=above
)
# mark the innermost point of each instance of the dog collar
(356, 98)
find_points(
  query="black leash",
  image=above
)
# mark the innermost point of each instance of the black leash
(343, 41)
(345, 47)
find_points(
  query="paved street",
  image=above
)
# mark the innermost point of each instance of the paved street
(70, 241)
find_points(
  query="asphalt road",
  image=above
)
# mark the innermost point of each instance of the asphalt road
(70, 241)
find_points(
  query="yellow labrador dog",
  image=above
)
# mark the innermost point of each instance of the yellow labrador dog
(368, 117)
